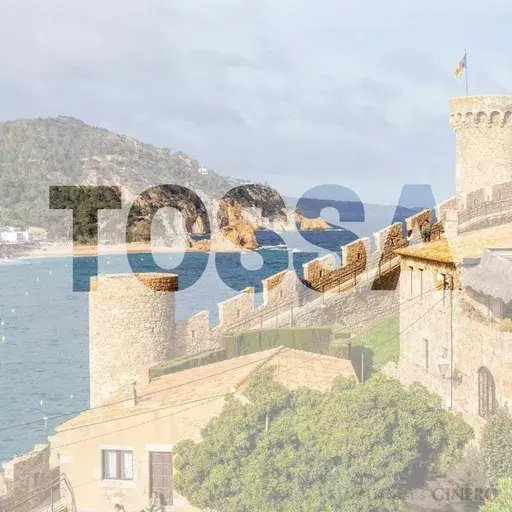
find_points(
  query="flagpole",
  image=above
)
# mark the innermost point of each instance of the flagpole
(466, 61)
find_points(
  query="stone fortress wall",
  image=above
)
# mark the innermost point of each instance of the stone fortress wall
(365, 281)
(132, 326)
(26, 480)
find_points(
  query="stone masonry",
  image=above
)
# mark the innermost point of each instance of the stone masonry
(483, 128)
(131, 325)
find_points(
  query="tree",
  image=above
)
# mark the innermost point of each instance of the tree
(497, 447)
(503, 501)
(358, 447)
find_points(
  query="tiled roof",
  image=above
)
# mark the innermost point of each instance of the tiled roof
(294, 369)
(466, 245)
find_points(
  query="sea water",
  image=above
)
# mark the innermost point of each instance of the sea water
(44, 363)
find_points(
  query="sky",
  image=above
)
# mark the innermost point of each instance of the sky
(297, 93)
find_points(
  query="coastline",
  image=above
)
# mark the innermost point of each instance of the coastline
(67, 250)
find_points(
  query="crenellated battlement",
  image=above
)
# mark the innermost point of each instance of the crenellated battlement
(479, 120)
(133, 326)
(361, 271)
(481, 112)
(484, 207)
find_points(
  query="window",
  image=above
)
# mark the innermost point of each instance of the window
(192, 333)
(421, 282)
(486, 393)
(425, 352)
(411, 274)
(117, 464)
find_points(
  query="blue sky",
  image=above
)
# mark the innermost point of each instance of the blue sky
(295, 93)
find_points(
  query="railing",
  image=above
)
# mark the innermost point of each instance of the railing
(485, 215)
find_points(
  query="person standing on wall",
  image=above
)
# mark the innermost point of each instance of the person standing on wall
(304, 290)
(427, 227)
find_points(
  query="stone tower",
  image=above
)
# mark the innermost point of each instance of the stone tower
(483, 129)
(131, 325)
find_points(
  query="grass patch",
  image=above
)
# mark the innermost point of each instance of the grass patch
(380, 342)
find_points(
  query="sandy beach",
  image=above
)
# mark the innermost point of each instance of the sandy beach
(67, 250)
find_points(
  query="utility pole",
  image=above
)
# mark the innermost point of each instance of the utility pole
(362, 363)
(452, 291)
(45, 419)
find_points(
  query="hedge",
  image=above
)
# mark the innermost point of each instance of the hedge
(187, 362)
(330, 340)
(310, 339)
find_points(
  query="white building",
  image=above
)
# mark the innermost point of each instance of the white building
(10, 235)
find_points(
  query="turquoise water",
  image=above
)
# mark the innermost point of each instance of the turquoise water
(44, 323)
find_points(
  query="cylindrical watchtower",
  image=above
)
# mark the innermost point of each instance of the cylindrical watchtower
(131, 325)
(483, 128)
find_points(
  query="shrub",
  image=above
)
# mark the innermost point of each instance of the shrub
(310, 339)
(505, 325)
(503, 501)
(187, 362)
(497, 447)
(340, 348)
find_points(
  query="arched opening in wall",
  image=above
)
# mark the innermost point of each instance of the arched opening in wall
(486, 393)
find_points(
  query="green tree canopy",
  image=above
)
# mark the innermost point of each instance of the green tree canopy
(358, 447)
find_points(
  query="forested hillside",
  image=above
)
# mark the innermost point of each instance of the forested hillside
(38, 153)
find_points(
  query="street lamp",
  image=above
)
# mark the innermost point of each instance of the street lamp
(443, 364)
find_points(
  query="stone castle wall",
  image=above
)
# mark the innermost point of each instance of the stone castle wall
(26, 480)
(483, 130)
(132, 324)
(485, 207)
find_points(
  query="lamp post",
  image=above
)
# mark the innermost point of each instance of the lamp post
(443, 364)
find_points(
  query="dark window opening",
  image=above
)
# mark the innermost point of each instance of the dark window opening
(117, 464)
(486, 393)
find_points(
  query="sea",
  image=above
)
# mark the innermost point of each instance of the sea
(44, 363)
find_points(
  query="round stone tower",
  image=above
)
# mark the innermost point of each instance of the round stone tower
(483, 129)
(131, 325)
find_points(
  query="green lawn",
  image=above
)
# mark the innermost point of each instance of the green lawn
(380, 341)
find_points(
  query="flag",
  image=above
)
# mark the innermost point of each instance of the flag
(461, 67)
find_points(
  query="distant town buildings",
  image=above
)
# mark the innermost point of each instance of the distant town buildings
(10, 235)
(13, 235)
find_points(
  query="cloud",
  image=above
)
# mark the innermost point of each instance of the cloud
(294, 93)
